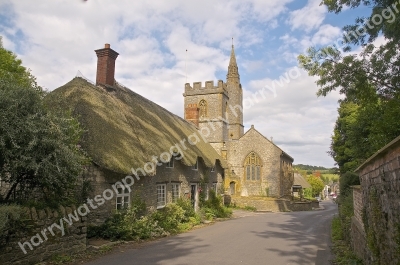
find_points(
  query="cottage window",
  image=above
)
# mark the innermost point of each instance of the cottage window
(252, 165)
(122, 198)
(161, 195)
(203, 108)
(175, 191)
(170, 164)
(213, 169)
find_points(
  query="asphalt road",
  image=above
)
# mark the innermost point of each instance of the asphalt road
(293, 238)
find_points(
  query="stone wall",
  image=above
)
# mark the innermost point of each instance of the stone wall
(380, 187)
(271, 205)
(358, 204)
(146, 186)
(276, 173)
(31, 232)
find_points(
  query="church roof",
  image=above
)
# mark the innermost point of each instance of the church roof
(252, 128)
(124, 130)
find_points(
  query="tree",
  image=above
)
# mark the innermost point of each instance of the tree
(361, 130)
(370, 81)
(316, 183)
(11, 68)
(39, 147)
(376, 70)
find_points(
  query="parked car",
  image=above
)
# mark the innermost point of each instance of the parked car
(334, 196)
(318, 198)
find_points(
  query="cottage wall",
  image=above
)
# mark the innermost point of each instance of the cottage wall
(146, 187)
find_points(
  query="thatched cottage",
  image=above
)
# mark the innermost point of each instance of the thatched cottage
(129, 137)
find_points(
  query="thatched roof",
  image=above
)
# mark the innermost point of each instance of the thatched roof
(299, 180)
(124, 130)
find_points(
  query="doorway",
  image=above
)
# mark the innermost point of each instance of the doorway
(193, 195)
(232, 187)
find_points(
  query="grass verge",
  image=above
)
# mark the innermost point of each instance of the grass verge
(343, 255)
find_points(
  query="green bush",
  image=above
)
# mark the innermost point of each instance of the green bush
(187, 207)
(7, 212)
(129, 224)
(214, 207)
(169, 217)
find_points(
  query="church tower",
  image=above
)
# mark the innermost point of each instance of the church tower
(217, 110)
(235, 104)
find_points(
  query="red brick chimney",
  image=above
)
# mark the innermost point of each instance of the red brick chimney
(192, 114)
(106, 65)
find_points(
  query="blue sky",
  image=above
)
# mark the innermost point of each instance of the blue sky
(56, 38)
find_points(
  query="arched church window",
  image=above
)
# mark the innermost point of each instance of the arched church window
(203, 108)
(252, 166)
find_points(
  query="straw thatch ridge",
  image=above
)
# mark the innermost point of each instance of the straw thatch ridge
(124, 130)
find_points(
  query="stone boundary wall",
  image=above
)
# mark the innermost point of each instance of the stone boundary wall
(359, 239)
(358, 204)
(30, 226)
(268, 205)
(379, 207)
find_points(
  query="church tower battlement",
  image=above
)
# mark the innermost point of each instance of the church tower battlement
(219, 107)
(209, 88)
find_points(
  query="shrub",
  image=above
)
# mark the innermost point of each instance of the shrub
(187, 207)
(129, 224)
(7, 212)
(213, 207)
(170, 217)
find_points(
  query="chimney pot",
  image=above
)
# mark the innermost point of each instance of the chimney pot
(107, 46)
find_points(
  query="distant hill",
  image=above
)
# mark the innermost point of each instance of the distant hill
(333, 170)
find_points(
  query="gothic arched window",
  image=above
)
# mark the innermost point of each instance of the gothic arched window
(203, 108)
(252, 165)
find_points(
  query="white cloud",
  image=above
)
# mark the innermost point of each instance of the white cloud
(294, 116)
(326, 34)
(57, 38)
(308, 17)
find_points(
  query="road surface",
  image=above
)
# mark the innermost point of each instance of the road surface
(295, 238)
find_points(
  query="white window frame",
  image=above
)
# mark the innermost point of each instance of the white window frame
(175, 191)
(170, 163)
(207, 192)
(123, 195)
(196, 166)
(161, 195)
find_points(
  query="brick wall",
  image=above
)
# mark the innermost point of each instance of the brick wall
(192, 114)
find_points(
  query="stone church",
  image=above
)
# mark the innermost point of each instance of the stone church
(257, 167)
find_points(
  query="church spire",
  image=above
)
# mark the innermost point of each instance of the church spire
(233, 71)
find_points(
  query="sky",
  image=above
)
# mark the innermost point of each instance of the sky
(56, 38)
